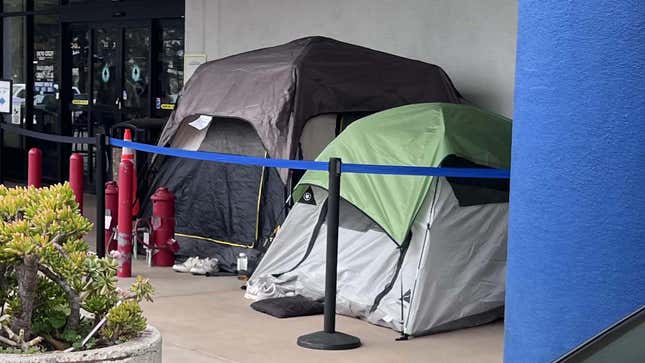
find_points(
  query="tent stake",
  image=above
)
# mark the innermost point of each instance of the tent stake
(329, 338)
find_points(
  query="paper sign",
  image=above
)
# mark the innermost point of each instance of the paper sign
(5, 96)
(202, 122)
(16, 115)
(108, 221)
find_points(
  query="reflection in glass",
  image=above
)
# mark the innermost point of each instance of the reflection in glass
(13, 68)
(106, 85)
(46, 79)
(13, 5)
(136, 76)
(46, 75)
(622, 342)
(171, 62)
(104, 65)
(40, 5)
(79, 47)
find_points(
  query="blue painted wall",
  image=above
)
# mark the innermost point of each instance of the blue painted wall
(576, 255)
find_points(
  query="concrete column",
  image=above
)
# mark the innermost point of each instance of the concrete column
(198, 33)
(576, 255)
(194, 23)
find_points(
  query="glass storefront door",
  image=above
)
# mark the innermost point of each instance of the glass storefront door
(120, 72)
(135, 94)
(106, 71)
(110, 78)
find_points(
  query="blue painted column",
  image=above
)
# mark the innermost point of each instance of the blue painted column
(576, 255)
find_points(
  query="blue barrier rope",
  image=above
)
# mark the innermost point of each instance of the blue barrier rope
(315, 165)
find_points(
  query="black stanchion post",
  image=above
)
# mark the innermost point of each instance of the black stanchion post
(100, 194)
(329, 338)
(331, 267)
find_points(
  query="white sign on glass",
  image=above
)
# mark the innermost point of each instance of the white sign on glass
(5, 96)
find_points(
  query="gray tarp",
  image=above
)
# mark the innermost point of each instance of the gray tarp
(278, 89)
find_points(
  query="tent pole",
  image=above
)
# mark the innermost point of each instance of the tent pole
(329, 338)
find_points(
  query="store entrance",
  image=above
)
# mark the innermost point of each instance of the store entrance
(121, 71)
(110, 75)
(79, 67)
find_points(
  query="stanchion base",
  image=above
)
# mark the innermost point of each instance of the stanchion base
(329, 341)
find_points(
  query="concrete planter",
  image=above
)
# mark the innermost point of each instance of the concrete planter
(145, 349)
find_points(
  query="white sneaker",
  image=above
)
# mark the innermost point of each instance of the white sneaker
(205, 266)
(187, 265)
(261, 289)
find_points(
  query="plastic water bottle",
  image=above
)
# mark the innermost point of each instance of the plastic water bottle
(149, 257)
(242, 262)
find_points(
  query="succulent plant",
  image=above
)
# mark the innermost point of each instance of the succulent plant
(53, 291)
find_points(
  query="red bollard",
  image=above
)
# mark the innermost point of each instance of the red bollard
(35, 167)
(76, 178)
(124, 235)
(128, 154)
(111, 209)
(163, 228)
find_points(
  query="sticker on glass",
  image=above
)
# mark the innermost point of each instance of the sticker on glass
(136, 73)
(105, 74)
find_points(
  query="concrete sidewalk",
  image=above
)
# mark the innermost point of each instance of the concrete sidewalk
(207, 319)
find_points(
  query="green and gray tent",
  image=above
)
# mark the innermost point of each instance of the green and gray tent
(436, 245)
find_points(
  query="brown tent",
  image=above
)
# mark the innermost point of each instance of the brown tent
(261, 103)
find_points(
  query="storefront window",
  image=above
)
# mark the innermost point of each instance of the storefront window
(80, 49)
(13, 5)
(46, 74)
(13, 47)
(171, 64)
(46, 79)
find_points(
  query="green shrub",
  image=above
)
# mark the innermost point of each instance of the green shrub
(47, 277)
